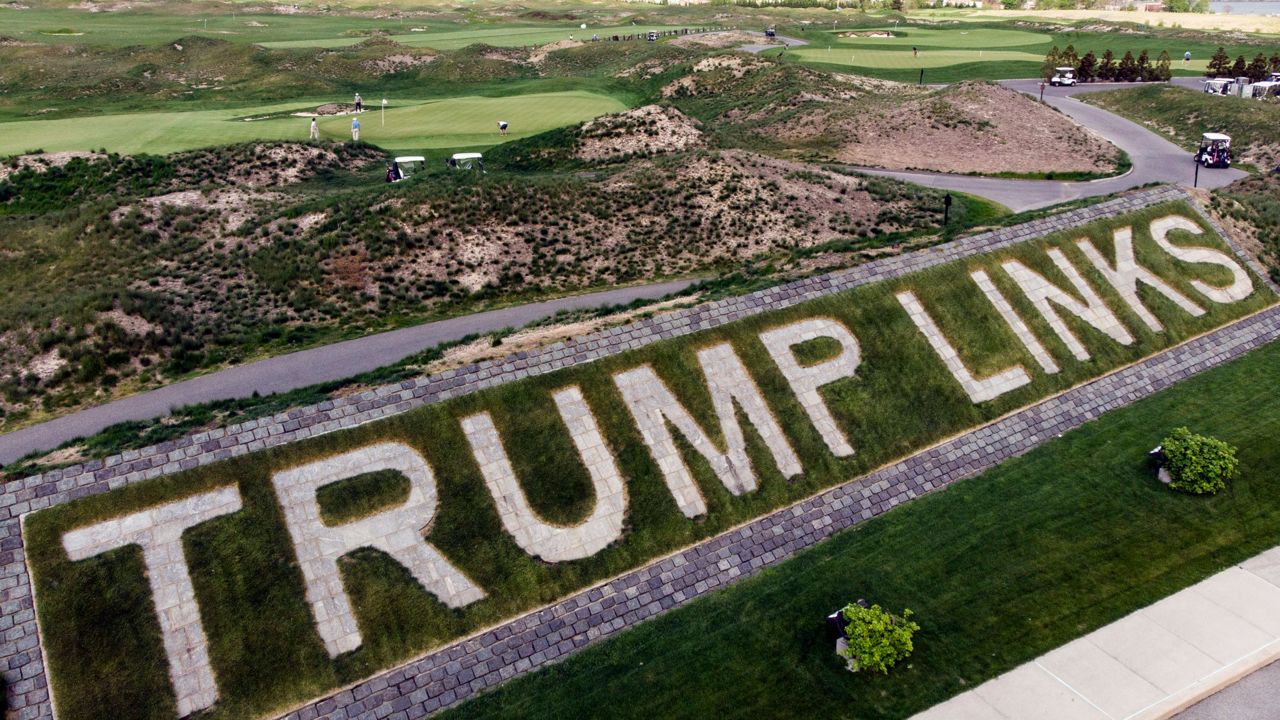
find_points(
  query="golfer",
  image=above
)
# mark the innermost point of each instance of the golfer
(315, 130)
(502, 127)
(355, 129)
(359, 103)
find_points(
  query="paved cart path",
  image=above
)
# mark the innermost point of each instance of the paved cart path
(1154, 158)
(307, 367)
(786, 42)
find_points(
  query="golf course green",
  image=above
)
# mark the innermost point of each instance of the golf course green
(469, 122)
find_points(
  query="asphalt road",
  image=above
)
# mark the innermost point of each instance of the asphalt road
(1257, 697)
(1154, 158)
(307, 367)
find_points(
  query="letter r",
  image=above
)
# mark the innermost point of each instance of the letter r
(397, 532)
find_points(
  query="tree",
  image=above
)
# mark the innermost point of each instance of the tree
(1274, 63)
(1050, 62)
(1127, 70)
(1088, 69)
(1163, 70)
(1069, 57)
(1219, 64)
(1239, 67)
(1144, 67)
(1257, 70)
(1107, 68)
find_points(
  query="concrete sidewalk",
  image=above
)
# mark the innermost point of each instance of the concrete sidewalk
(1151, 664)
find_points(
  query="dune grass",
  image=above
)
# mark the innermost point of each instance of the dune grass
(469, 121)
(998, 569)
(96, 620)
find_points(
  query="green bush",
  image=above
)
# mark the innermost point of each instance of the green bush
(1198, 464)
(877, 639)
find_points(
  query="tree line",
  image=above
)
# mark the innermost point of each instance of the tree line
(1220, 65)
(1090, 67)
(1128, 68)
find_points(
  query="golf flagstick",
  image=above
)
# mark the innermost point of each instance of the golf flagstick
(384, 112)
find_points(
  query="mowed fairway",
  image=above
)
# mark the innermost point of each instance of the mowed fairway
(970, 52)
(453, 122)
(498, 37)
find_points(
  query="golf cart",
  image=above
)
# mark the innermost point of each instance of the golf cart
(1265, 89)
(1064, 76)
(404, 167)
(1218, 86)
(1215, 150)
(770, 32)
(653, 36)
(466, 161)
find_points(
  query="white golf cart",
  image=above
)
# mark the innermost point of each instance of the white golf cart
(1064, 76)
(1219, 86)
(405, 166)
(1215, 151)
(1265, 89)
(466, 161)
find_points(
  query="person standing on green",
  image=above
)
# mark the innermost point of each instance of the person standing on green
(315, 130)
(355, 129)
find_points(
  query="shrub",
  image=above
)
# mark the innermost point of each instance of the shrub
(1198, 464)
(877, 639)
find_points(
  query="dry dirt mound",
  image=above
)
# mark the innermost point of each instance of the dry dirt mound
(398, 62)
(265, 165)
(968, 128)
(727, 38)
(540, 54)
(43, 161)
(647, 130)
(715, 68)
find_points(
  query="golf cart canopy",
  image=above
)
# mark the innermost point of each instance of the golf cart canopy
(1066, 70)
(1215, 138)
(410, 159)
(467, 156)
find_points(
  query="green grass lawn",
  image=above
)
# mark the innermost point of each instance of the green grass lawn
(984, 52)
(999, 569)
(454, 122)
(96, 621)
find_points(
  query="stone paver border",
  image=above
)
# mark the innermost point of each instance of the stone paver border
(452, 673)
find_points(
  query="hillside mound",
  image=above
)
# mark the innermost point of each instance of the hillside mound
(265, 165)
(647, 130)
(41, 162)
(971, 127)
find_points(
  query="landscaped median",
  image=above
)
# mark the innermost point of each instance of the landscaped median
(535, 488)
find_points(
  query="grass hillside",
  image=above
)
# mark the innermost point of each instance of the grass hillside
(124, 272)
(95, 612)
